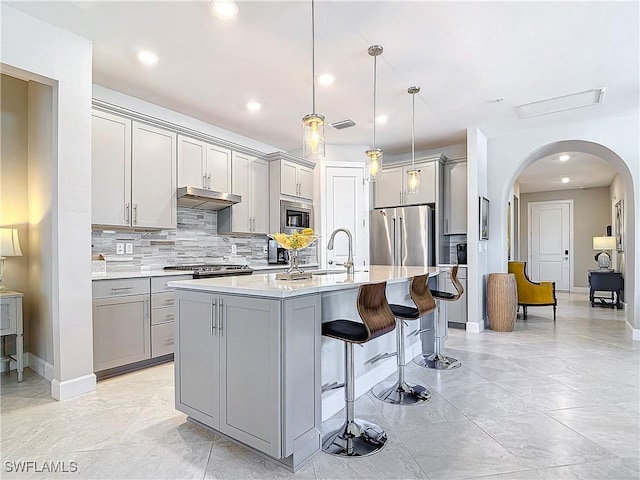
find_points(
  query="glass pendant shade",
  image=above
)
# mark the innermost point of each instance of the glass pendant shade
(313, 123)
(313, 136)
(413, 181)
(375, 164)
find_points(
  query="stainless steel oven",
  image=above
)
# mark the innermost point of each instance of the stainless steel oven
(295, 216)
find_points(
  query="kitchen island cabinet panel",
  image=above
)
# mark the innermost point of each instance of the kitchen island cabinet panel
(197, 358)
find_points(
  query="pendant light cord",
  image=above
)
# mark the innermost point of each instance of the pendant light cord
(413, 129)
(375, 82)
(313, 54)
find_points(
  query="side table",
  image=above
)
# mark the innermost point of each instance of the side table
(11, 324)
(502, 301)
(605, 281)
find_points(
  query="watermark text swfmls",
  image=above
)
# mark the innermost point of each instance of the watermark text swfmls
(27, 466)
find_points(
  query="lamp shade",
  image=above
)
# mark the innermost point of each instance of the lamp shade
(9, 244)
(604, 243)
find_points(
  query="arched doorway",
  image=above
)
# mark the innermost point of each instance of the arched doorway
(629, 260)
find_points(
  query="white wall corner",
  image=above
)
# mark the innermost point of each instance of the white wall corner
(475, 327)
(73, 388)
(635, 332)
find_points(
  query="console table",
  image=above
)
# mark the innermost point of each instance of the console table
(605, 281)
(11, 324)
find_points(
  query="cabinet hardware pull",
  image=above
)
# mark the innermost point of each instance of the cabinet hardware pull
(135, 213)
(204, 181)
(127, 218)
(221, 322)
(214, 316)
(209, 181)
(146, 309)
(121, 288)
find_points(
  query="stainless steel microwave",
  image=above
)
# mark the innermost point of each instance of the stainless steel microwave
(295, 216)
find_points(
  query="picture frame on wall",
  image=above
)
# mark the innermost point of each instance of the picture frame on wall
(484, 218)
(619, 225)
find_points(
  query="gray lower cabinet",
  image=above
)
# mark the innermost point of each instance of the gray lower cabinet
(456, 311)
(121, 331)
(249, 368)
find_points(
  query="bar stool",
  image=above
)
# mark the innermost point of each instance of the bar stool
(400, 392)
(438, 360)
(358, 437)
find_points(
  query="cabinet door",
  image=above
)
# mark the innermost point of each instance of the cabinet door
(288, 178)
(121, 331)
(388, 190)
(250, 349)
(153, 184)
(191, 162)
(455, 198)
(218, 168)
(456, 311)
(110, 169)
(305, 179)
(241, 185)
(427, 193)
(260, 196)
(196, 357)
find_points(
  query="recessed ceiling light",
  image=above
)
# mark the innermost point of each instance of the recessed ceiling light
(564, 157)
(565, 179)
(382, 119)
(253, 106)
(147, 57)
(326, 79)
(224, 9)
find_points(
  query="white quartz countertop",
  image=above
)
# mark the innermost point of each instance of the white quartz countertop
(449, 265)
(266, 285)
(266, 268)
(139, 274)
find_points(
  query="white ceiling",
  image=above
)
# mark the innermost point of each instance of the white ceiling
(461, 54)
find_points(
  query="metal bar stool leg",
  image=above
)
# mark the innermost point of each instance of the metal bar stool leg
(400, 392)
(437, 360)
(356, 437)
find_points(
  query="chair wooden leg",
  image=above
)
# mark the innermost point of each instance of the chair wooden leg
(554, 314)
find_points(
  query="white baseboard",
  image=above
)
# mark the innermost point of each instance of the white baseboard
(74, 387)
(579, 289)
(474, 327)
(635, 332)
(42, 368)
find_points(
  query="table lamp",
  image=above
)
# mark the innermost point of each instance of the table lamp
(9, 247)
(602, 244)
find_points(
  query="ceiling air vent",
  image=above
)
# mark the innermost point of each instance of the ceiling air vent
(560, 104)
(342, 124)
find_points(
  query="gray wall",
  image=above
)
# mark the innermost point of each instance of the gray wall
(592, 214)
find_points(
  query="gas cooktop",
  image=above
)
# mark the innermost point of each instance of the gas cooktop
(209, 270)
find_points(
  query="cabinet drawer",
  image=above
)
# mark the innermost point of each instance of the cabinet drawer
(162, 300)
(8, 316)
(162, 315)
(159, 284)
(120, 286)
(162, 338)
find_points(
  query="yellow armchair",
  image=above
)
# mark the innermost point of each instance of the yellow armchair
(532, 294)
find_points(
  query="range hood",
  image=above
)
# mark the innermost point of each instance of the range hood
(205, 199)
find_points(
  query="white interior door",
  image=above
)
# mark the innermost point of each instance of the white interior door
(550, 243)
(346, 207)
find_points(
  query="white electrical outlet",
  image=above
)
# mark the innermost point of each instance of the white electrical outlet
(264, 249)
(234, 250)
(119, 248)
(129, 248)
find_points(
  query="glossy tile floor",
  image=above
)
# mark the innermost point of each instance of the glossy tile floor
(541, 402)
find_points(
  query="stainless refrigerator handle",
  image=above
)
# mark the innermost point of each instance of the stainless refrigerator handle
(400, 245)
(395, 246)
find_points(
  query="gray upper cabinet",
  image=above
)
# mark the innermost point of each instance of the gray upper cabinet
(455, 198)
(391, 190)
(203, 165)
(250, 180)
(296, 180)
(133, 173)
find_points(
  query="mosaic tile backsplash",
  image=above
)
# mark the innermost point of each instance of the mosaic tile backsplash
(195, 241)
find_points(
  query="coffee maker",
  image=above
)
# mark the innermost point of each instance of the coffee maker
(277, 255)
(461, 253)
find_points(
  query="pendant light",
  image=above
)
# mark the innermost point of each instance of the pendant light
(413, 174)
(313, 123)
(374, 154)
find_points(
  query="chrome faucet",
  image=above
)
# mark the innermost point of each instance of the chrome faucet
(349, 263)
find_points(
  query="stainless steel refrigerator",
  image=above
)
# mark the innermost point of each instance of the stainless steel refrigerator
(403, 236)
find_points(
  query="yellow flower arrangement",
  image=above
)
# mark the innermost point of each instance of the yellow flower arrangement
(297, 240)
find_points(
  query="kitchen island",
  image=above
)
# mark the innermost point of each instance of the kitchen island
(250, 358)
